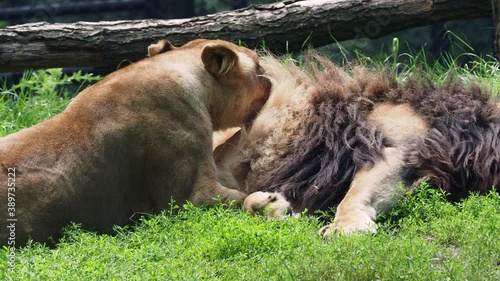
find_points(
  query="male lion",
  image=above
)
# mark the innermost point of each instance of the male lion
(131, 142)
(329, 137)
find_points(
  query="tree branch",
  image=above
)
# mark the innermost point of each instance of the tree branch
(283, 27)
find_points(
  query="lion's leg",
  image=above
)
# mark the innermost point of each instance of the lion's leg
(207, 189)
(228, 194)
(212, 190)
(372, 191)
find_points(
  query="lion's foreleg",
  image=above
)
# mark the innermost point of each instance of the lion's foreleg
(212, 190)
(372, 191)
(207, 189)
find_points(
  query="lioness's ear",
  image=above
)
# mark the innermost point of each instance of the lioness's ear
(161, 47)
(218, 59)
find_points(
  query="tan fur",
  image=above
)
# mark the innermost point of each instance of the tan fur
(132, 142)
(161, 47)
(272, 204)
(398, 122)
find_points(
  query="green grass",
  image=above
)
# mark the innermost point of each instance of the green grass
(467, 66)
(38, 96)
(423, 238)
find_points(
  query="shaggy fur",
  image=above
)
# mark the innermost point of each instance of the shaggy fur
(461, 153)
(313, 135)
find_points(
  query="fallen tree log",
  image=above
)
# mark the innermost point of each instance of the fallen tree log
(282, 26)
(495, 7)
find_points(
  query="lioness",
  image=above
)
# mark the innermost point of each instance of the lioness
(130, 143)
(327, 138)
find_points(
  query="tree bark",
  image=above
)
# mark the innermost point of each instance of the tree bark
(495, 6)
(285, 26)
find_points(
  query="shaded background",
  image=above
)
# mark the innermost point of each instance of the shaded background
(456, 37)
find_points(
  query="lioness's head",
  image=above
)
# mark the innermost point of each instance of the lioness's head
(237, 86)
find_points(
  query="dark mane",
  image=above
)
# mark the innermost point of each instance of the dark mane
(461, 152)
(334, 141)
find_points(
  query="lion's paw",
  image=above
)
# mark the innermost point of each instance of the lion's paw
(273, 204)
(348, 227)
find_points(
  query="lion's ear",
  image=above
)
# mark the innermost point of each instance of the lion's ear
(161, 47)
(218, 59)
